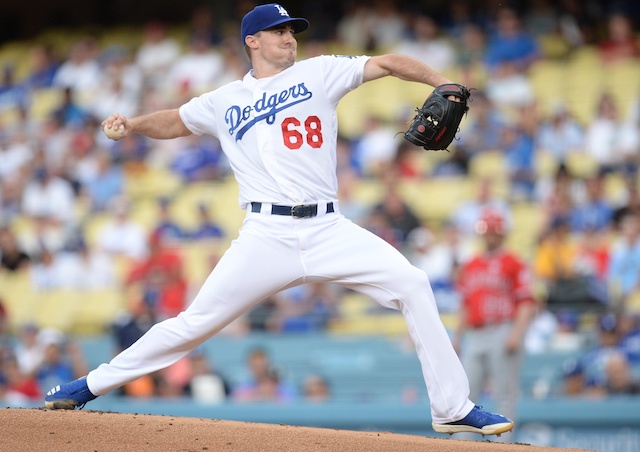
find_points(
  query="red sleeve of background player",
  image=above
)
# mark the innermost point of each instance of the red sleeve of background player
(461, 287)
(522, 283)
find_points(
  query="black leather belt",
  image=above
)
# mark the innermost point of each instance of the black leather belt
(299, 211)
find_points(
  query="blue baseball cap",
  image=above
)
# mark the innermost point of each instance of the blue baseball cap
(267, 16)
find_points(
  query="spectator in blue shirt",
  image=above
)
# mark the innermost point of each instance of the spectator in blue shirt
(44, 66)
(596, 213)
(62, 361)
(166, 226)
(106, 185)
(207, 228)
(519, 142)
(483, 127)
(200, 158)
(511, 43)
(593, 363)
(69, 112)
(12, 94)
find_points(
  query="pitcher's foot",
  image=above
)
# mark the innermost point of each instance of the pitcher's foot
(69, 396)
(477, 421)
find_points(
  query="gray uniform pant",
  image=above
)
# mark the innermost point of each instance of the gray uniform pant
(490, 368)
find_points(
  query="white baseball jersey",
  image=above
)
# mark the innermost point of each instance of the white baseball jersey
(279, 133)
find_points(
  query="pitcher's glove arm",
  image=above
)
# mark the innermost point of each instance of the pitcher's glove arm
(435, 125)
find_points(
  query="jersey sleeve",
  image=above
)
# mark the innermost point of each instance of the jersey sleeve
(342, 74)
(199, 115)
(522, 282)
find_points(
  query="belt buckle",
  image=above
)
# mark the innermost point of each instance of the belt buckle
(299, 211)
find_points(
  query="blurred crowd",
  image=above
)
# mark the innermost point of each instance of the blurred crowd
(57, 171)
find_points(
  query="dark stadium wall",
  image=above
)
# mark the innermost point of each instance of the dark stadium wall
(26, 19)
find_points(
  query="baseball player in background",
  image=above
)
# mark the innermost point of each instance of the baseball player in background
(496, 309)
(278, 128)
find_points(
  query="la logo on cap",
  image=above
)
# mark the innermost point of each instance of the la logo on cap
(281, 10)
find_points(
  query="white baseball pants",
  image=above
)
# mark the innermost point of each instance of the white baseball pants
(273, 253)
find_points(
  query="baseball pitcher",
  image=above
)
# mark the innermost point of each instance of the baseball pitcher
(278, 128)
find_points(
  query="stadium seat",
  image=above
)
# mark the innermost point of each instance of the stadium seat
(151, 182)
(490, 163)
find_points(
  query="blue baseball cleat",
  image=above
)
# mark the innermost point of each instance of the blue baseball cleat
(69, 396)
(477, 421)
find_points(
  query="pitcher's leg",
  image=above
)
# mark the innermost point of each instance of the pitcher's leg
(255, 267)
(165, 343)
(364, 262)
(443, 373)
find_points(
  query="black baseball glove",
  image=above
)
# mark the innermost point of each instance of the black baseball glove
(435, 125)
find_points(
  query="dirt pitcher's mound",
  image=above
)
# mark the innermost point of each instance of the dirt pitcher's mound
(87, 431)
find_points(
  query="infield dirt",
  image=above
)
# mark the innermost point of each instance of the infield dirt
(87, 431)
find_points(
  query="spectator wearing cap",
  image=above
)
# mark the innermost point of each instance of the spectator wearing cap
(594, 361)
(568, 337)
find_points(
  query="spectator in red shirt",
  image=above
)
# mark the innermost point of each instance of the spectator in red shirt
(161, 279)
(620, 43)
(496, 308)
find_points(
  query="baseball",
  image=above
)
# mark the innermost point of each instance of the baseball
(113, 133)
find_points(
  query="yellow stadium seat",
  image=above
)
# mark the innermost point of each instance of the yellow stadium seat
(436, 199)
(527, 223)
(489, 164)
(19, 298)
(96, 310)
(44, 101)
(581, 164)
(151, 182)
(545, 164)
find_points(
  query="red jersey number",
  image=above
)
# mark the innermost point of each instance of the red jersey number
(293, 138)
